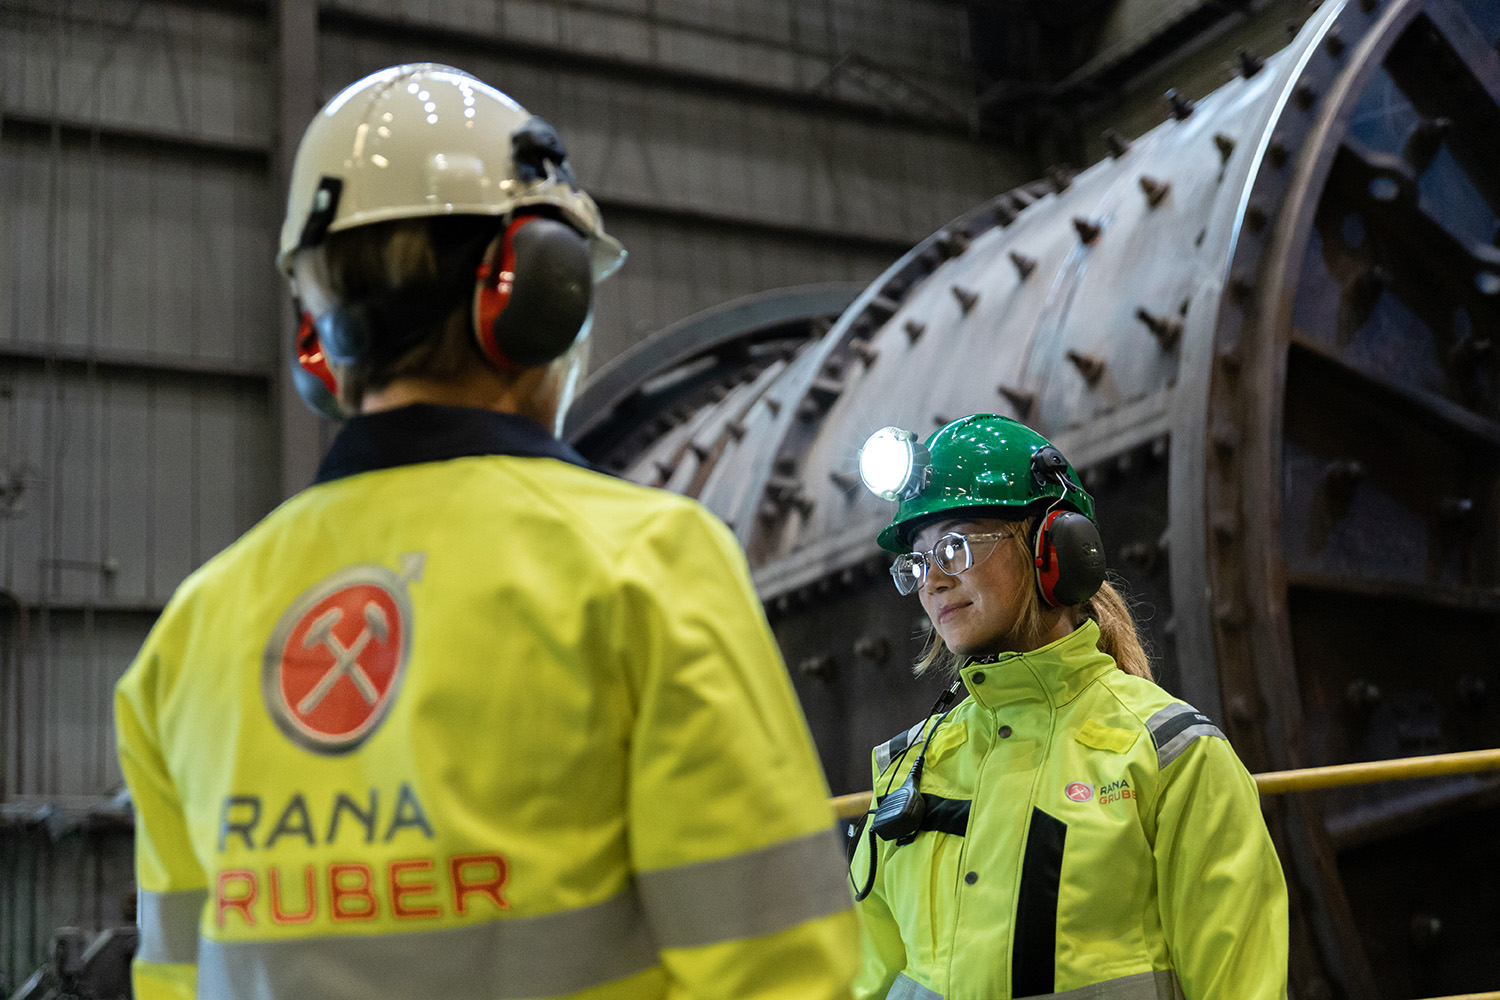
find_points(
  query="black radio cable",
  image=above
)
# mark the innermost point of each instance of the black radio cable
(898, 816)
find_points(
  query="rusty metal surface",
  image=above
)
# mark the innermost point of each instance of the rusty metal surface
(1264, 332)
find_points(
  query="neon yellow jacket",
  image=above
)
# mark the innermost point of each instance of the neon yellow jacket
(1083, 827)
(468, 720)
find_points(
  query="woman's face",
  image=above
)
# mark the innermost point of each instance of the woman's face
(975, 612)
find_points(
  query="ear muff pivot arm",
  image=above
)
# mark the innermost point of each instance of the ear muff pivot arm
(1046, 463)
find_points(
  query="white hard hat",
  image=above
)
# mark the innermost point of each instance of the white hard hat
(429, 140)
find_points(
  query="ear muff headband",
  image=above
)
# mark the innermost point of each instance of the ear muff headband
(533, 293)
(1069, 558)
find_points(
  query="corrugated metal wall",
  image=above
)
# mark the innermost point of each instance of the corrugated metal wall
(734, 147)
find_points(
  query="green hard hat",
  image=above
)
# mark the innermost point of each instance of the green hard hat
(982, 460)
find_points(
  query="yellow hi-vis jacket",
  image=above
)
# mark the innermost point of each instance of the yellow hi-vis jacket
(468, 720)
(1086, 836)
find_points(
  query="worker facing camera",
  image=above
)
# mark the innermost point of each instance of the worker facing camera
(1058, 823)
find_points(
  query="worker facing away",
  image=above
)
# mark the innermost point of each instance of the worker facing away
(466, 718)
(1068, 829)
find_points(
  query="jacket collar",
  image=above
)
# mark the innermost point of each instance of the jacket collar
(423, 432)
(1055, 673)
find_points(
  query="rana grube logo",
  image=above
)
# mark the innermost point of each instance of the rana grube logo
(333, 666)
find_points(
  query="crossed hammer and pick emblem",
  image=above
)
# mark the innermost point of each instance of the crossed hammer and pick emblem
(345, 660)
(301, 687)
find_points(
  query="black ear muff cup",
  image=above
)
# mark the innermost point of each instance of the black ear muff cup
(1078, 554)
(551, 296)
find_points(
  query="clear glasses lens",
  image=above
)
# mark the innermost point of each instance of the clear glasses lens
(952, 555)
(908, 571)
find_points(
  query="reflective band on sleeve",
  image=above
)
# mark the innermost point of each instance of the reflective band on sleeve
(1175, 727)
(503, 959)
(890, 748)
(907, 988)
(169, 925)
(746, 895)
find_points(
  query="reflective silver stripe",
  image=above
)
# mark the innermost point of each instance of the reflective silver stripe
(1183, 740)
(895, 745)
(1160, 985)
(907, 988)
(1174, 728)
(505, 959)
(746, 895)
(169, 925)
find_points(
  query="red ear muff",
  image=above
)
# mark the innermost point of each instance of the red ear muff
(310, 354)
(1069, 559)
(533, 293)
(311, 375)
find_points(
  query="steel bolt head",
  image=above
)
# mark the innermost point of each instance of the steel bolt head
(1180, 107)
(1156, 191)
(1089, 366)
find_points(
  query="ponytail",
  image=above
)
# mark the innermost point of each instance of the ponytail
(1117, 633)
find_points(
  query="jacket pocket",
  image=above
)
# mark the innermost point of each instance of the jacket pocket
(940, 773)
(1101, 737)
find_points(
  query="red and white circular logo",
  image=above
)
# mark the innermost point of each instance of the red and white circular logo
(1079, 792)
(334, 663)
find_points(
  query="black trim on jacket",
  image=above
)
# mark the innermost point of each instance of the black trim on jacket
(1034, 952)
(425, 432)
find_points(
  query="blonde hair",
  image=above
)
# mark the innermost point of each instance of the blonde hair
(371, 260)
(1118, 636)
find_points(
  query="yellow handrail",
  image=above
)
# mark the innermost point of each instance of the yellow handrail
(1277, 782)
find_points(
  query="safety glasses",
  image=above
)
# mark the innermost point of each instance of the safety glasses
(954, 553)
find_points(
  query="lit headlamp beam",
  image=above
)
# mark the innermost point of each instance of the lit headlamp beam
(891, 462)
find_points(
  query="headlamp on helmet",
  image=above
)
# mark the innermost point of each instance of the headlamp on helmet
(893, 464)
